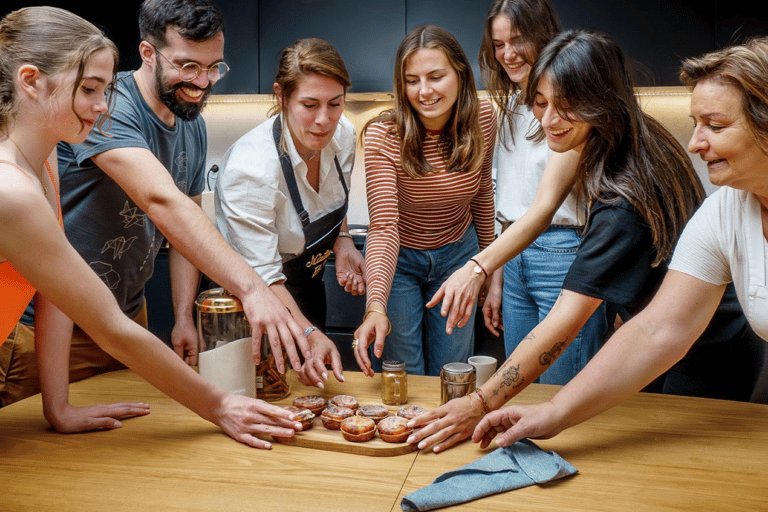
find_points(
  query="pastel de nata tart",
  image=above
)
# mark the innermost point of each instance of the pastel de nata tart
(332, 416)
(303, 416)
(410, 411)
(358, 429)
(375, 412)
(314, 403)
(347, 401)
(394, 429)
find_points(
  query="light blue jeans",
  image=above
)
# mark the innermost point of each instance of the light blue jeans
(532, 283)
(418, 335)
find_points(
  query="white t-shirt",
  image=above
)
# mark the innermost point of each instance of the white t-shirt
(722, 243)
(518, 174)
(254, 212)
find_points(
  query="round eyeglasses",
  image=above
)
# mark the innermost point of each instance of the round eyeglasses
(191, 70)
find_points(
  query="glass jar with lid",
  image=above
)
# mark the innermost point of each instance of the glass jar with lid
(394, 383)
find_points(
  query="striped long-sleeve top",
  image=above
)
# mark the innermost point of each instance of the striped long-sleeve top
(426, 212)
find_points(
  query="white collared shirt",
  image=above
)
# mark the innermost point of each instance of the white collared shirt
(253, 207)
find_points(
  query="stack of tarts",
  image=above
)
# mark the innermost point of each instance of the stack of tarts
(357, 423)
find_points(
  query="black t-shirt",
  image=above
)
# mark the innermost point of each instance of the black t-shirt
(613, 263)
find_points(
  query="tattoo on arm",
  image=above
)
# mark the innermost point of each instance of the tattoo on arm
(548, 357)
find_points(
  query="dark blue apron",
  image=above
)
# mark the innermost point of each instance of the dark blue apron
(304, 273)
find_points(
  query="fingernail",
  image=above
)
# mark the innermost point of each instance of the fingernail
(422, 445)
(501, 443)
(410, 424)
(320, 385)
(325, 375)
(411, 439)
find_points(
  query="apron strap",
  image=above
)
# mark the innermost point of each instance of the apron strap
(290, 179)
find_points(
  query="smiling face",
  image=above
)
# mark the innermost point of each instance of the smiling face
(89, 101)
(510, 49)
(722, 138)
(313, 111)
(563, 134)
(186, 99)
(431, 86)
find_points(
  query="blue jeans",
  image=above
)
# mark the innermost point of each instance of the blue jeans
(418, 335)
(532, 283)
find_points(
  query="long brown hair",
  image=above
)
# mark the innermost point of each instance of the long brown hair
(462, 139)
(627, 154)
(538, 24)
(744, 67)
(53, 40)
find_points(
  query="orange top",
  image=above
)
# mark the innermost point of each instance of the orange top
(15, 290)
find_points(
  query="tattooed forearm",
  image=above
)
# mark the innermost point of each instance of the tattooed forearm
(548, 357)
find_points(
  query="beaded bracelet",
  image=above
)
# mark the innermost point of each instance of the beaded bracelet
(389, 324)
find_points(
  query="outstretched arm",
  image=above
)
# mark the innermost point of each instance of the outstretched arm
(459, 293)
(638, 352)
(457, 419)
(149, 185)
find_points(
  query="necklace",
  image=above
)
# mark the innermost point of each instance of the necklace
(31, 167)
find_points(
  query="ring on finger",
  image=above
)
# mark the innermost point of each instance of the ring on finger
(354, 344)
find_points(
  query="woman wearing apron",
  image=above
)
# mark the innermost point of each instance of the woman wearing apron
(281, 198)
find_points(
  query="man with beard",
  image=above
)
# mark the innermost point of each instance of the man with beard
(126, 189)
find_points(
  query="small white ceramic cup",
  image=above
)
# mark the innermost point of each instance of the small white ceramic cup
(485, 366)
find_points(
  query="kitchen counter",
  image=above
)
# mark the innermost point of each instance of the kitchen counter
(653, 452)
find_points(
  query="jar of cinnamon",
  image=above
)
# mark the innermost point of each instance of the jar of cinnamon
(394, 383)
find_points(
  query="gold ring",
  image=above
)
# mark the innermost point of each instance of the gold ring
(354, 344)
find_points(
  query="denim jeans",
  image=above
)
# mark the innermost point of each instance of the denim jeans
(532, 283)
(418, 335)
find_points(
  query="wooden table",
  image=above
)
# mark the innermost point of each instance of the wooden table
(652, 453)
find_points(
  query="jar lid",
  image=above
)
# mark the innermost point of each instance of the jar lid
(458, 368)
(392, 366)
(218, 300)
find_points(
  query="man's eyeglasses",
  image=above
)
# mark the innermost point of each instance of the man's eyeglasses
(191, 70)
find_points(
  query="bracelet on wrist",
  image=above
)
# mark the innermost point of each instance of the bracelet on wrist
(344, 234)
(483, 402)
(389, 324)
(473, 260)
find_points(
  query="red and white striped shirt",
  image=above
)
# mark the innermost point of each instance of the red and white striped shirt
(426, 212)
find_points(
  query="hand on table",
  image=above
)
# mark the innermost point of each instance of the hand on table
(184, 341)
(374, 329)
(267, 315)
(447, 425)
(243, 418)
(324, 352)
(539, 421)
(459, 294)
(73, 419)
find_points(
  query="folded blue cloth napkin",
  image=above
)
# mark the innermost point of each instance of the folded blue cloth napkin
(505, 469)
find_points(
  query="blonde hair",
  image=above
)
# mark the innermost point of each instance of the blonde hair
(53, 40)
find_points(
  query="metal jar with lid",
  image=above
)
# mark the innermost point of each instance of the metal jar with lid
(220, 319)
(394, 383)
(225, 355)
(456, 380)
